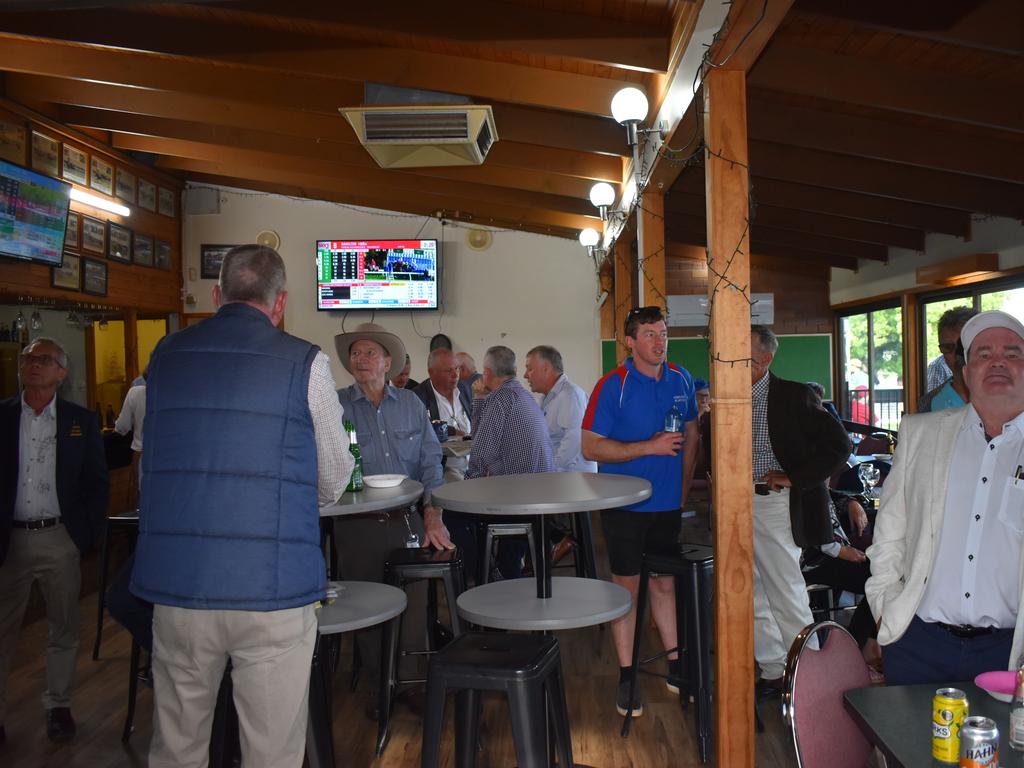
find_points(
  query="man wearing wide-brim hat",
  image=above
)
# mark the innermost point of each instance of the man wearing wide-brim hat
(395, 437)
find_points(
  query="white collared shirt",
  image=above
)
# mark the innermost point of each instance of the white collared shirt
(974, 578)
(452, 412)
(37, 463)
(564, 406)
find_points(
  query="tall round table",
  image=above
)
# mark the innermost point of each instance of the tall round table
(375, 499)
(562, 603)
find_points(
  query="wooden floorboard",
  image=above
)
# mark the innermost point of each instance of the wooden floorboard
(663, 736)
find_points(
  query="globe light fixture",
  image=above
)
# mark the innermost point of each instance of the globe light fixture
(602, 195)
(589, 237)
(629, 107)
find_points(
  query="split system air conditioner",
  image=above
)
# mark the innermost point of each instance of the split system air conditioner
(424, 136)
(691, 310)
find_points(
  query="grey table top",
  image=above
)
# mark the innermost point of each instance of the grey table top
(542, 493)
(375, 499)
(360, 604)
(574, 602)
(456, 446)
(897, 720)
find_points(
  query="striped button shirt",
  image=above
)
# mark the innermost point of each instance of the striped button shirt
(764, 457)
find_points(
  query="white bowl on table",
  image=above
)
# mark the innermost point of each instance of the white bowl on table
(383, 481)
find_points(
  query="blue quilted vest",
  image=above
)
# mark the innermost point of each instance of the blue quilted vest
(229, 513)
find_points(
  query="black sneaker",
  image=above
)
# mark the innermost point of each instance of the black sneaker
(622, 700)
(60, 726)
(675, 676)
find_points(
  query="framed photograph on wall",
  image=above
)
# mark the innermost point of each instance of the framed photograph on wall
(162, 257)
(101, 175)
(119, 244)
(13, 141)
(142, 250)
(94, 235)
(166, 202)
(210, 258)
(68, 275)
(126, 185)
(45, 154)
(147, 195)
(71, 233)
(94, 277)
(76, 165)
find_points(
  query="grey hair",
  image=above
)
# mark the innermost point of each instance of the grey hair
(766, 338)
(817, 389)
(62, 356)
(501, 360)
(436, 353)
(550, 354)
(252, 273)
(460, 356)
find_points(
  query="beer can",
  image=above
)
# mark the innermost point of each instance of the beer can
(949, 708)
(979, 743)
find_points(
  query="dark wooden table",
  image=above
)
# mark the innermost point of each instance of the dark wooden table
(897, 719)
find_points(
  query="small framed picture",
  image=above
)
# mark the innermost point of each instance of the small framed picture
(142, 250)
(71, 233)
(94, 277)
(119, 244)
(76, 165)
(210, 258)
(126, 185)
(162, 257)
(45, 154)
(101, 175)
(166, 202)
(94, 235)
(13, 141)
(147, 195)
(68, 275)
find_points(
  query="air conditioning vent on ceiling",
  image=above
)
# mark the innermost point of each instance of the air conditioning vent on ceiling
(419, 136)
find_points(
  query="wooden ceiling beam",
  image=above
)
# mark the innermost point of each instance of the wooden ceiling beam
(691, 237)
(941, 146)
(812, 222)
(678, 252)
(871, 82)
(902, 182)
(426, 199)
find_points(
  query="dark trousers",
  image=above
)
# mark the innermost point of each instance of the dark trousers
(847, 576)
(929, 654)
(130, 612)
(468, 532)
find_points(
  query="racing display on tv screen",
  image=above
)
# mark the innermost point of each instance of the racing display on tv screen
(376, 274)
(33, 215)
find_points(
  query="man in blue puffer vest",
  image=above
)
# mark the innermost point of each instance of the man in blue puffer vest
(244, 441)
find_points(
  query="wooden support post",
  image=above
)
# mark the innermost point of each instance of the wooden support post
(622, 257)
(725, 134)
(651, 259)
(910, 308)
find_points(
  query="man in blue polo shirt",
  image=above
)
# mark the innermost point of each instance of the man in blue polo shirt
(624, 430)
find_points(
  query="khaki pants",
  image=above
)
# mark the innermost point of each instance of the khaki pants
(270, 655)
(49, 557)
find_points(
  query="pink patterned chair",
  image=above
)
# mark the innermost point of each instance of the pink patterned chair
(824, 734)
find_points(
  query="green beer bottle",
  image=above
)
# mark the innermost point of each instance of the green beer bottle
(355, 483)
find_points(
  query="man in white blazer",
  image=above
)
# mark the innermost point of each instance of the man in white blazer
(946, 563)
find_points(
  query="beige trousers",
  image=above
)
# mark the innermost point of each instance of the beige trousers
(49, 557)
(270, 654)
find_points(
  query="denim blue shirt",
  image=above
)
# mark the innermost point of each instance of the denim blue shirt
(396, 438)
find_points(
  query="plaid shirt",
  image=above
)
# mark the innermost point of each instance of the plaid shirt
(764, 457)
(510, 436)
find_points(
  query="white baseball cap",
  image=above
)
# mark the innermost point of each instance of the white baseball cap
(985, 320)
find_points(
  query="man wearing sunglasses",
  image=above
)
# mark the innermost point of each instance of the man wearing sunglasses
(53, 500)
(945, 390)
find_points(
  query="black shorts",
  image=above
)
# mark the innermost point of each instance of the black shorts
(630, 534)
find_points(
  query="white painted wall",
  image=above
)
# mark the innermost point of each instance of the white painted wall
(524, 290)
(997, 235)
(72, 338)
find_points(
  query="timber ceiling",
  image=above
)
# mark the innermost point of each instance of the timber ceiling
(871, 123)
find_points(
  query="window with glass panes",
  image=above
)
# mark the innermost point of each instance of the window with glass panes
(871, 367)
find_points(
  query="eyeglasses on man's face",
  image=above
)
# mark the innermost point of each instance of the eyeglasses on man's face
(948, 348)
(44, 360)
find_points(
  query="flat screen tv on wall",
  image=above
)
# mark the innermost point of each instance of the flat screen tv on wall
(376, 274)
(33, 215)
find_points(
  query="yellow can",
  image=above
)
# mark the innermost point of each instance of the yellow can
(949, 708)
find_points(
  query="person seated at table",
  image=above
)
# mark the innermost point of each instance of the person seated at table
(946, 576)
(828, 405)
(510, 437)
(624, 431)
(402, 380)
(447, 403)
(395, 437)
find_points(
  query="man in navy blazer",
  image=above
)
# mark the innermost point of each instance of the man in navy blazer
(54, 488)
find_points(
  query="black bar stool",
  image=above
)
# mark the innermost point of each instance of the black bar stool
(128, 521)
(692, 569)
(585, 560)
(527, 668)
(403, 567)
(497, 531)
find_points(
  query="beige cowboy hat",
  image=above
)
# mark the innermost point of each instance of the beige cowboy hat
(371, 332)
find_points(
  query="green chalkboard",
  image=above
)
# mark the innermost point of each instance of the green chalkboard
(800, 358)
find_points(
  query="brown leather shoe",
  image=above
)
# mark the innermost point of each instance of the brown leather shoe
(60, 726)
(562, 548)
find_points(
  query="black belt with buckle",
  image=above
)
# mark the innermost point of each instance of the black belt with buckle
(35, 525)
(966, 630)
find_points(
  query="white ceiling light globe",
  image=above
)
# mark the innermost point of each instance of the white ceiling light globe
(629, 104)
(602, 193)
(589, 237)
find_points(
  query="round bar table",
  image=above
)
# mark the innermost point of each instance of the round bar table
(562, 603)
(374, 499)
